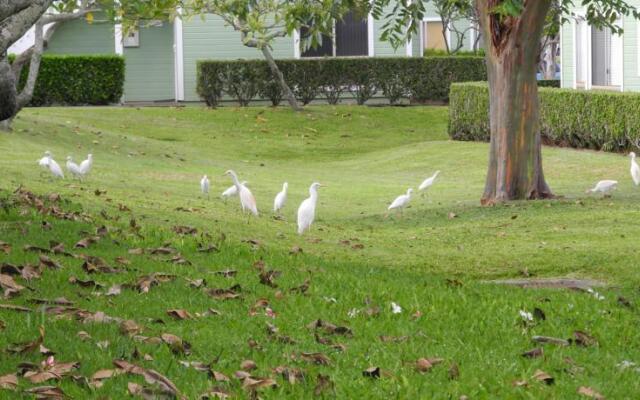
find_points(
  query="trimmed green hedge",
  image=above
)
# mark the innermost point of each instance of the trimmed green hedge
(555, 83)
(332, 79)
(78, 80)
(597, 120)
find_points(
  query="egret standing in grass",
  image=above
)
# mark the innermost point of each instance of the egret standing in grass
(232, 191)
(73, 168)
(85, 166)
(247, 201)
(54, 167)
(281, 198)
(44, 162)
(635, 169)
(400, 202)
(605, 187)
(307, 209)
(204, 186)
(427, 183)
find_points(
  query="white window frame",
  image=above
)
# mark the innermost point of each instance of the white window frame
(178, 54)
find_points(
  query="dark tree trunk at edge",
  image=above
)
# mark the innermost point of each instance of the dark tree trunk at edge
(515, 159)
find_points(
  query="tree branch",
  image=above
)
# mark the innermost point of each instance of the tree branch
(16, 25)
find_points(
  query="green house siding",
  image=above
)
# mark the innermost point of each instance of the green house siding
(631, 67)
(211, 38)
(150, 67)
(567, 68)
(80, 37)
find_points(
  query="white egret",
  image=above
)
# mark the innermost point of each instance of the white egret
(307, 209)
(427, 183)
(281, 198)
(44, 161)
(73, 168)
(247, 201)
(401, 201)
(605, 187)
(54, 167)
(232, 190)
(204, 186)
(85, 166)
(635, 169)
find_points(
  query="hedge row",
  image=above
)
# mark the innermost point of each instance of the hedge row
(419, 79)
(583, 119)
(78, 80)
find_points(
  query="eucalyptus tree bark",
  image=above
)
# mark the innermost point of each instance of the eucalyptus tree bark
(512, 50)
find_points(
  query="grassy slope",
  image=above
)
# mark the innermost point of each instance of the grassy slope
(366, 156)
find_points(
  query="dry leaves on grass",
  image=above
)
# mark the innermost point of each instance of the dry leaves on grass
(56, 371)
(47, 393)
(146, 282)
(49, 263)
(85, 283)
(150, 376)
(130, 327)
(589, 392)
(329, 328)
(584, 339)
(533, 353)
(179, 314)
(542, 376)
(27, 347)
(268, 277)
(225, 294)
(176, 344)
(324, 384)
(9, 381)
(10, 286)
(215, 392)
(426, 364)
(316, 358)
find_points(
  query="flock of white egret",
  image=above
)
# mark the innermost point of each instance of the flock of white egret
(77, 171)
(307, 209)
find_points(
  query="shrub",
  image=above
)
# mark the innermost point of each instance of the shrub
(459, 53)
(77, 80)
(549, 83)
(583, 119)
(420, 79)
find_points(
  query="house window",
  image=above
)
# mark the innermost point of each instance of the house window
(433, 38)
(132, 39)
(351, 39)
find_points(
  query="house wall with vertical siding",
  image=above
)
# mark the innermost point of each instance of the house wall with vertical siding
(149, 72)
(80, 37)
(211, 38)
(567, 62)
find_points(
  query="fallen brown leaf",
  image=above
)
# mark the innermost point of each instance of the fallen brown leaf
(533, 353)
(316, 358)
(150, 376)
(27, 347)
(5, 247)
(47, 393)
(130, 327)
(584, 339)
(371, 372)
(454, 371)
(589, 392)
(9, 381)
(425, 364)
(179, 314)
(542, 376)
(176, 344)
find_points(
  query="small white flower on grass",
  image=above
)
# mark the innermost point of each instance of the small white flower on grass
(595, 294)
(353, 312)
(625, 364)
(396, 309)
(329, 299)
(526, 316)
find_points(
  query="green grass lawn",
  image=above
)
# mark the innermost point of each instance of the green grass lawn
(149, 162)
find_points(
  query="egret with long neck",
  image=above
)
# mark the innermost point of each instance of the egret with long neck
(307, 209)
(247, 201)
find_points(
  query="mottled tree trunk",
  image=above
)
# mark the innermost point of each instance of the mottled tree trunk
(288, 94)
(8, 100)
(515, 160)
